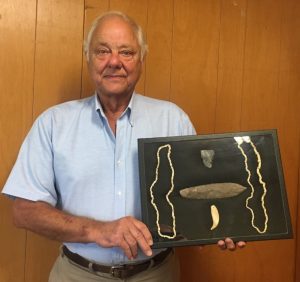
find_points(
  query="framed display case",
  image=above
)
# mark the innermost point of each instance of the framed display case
(200, 189)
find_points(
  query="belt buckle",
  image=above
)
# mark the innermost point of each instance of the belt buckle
(117, 271)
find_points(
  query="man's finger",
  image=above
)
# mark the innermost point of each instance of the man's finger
(144, 231)
(241, 244)
(230, 244)
(143, 237)
(141, 241)
(132, 243)
(222, 245)
(126, 248)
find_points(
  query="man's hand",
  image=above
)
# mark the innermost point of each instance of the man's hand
(127, 233)
(230, 245)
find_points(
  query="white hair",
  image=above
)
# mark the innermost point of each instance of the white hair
(137, 30)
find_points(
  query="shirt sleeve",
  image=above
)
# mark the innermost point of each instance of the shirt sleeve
(32, 176)
(187, 126)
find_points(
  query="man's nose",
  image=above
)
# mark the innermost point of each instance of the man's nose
(114, 60)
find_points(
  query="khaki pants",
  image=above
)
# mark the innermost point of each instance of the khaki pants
(65, 270)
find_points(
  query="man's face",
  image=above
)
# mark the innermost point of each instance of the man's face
(114, 58)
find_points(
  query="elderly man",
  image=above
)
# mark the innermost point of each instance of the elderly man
(76, 176)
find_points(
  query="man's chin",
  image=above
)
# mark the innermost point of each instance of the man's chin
(115, 92)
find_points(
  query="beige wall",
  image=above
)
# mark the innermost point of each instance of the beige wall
(232, 65)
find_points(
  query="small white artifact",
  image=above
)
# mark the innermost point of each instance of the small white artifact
(215, 217)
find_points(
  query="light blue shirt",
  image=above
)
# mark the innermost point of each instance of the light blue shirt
(72, 160)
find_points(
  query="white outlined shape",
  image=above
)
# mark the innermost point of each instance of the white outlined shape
(168, 146)
(240, 141)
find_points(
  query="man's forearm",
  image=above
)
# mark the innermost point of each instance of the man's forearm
(43, 219)
(126, 233)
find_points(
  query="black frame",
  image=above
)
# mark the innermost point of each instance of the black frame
(193, 216)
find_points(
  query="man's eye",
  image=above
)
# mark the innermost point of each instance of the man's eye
(127, 53)
(102, 52)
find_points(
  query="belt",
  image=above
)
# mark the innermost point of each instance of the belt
(122, 271)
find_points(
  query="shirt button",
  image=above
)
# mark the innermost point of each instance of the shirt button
(119, 162)
(119, 193)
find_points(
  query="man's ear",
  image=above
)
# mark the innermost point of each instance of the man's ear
(86, 54)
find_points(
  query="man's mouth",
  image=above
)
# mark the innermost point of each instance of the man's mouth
(114, 76)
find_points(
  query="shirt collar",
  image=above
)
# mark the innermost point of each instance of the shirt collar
(129, 110)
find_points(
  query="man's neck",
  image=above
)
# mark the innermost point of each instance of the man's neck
(113, 107)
